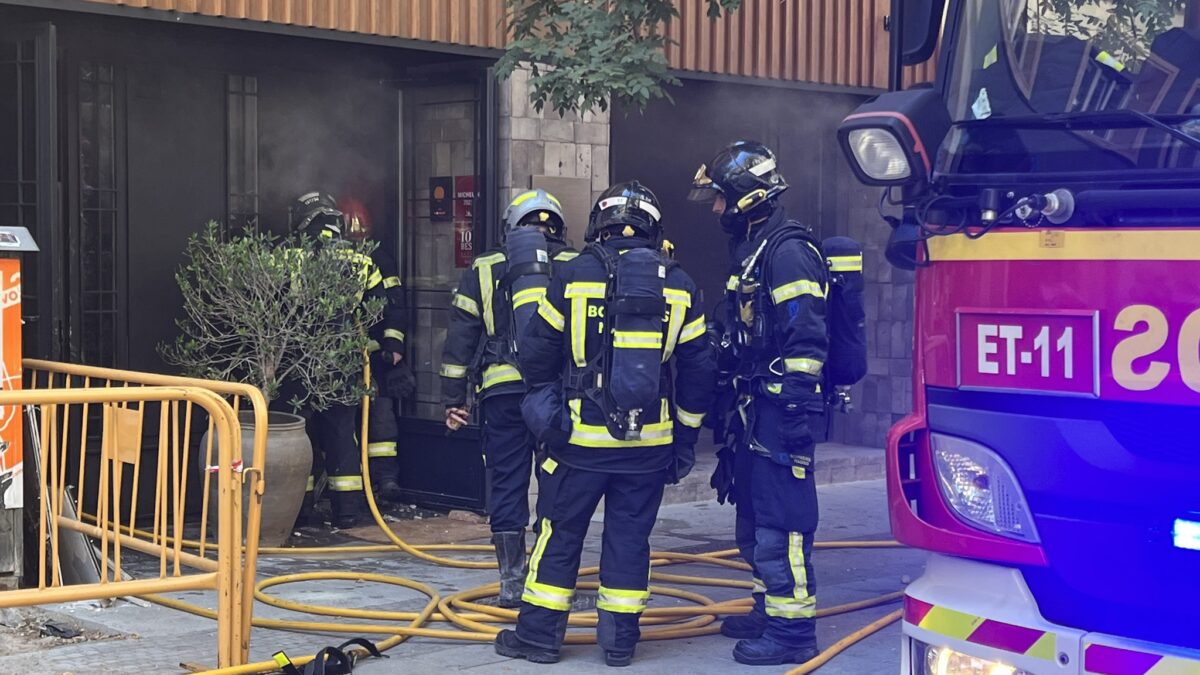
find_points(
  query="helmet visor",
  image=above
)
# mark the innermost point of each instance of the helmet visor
(703, 188)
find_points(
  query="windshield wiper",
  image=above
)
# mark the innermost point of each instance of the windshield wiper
(1111, 119)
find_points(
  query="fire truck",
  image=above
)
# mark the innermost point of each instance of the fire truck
(1046, 191)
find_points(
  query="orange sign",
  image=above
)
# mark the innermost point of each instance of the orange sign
(10, 378)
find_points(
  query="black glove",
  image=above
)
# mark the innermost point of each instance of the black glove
(794, 432)
(399, 382)
(682, 463)
(722, 477)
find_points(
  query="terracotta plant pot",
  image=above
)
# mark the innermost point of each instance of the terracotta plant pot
(289, 461)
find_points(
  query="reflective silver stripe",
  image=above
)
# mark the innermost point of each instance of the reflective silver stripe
(759, 586)
(622, 601)
(466, 304)
(781, 294)
(453, 372)
(499, 374)
(693, 330)
(845, 263)
(692, 420)
(809, 366)
(345, 483)
(789, 608)
(383, 449)
(623, 339)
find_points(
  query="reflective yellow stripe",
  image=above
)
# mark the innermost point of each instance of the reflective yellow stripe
(281, 660)
(597, 436)
(775, 387)
(310, 485)
(584, 289)
(693, 330)
(485, 293)
(374, 280)
(732, 283)
(631, 339)
(796, 289)
(564, 256)
(345, 483)
(692, 420)
(391, 282)
(385, 449)
(801, 605)
(807, 366)
(845, 263)
(499, 374)
(523, 197)
(466, 304)
(393, 334)
(678, 296)
(552, 316)
(527, 296)
(372, 345)
(544, 595)
(549, 465)
(453, 372)
(759, 586)
(579, 307)
(622, 601)
(799, 472)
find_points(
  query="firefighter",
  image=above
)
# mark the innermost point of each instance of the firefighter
(604, 336)
(774, 320)
(392, 380)
(480, 349)
(335, 430)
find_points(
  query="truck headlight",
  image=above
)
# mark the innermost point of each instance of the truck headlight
(931, 660)
(981, 488)
(879, 155)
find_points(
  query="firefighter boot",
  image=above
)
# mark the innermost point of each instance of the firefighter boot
(349, 509)
(508, 644)
(748, 626)
(383, 479)
(617, 635)
(510, 555)
(767, 652)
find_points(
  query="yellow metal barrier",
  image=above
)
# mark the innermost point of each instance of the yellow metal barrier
(123, 409)
(240, 396)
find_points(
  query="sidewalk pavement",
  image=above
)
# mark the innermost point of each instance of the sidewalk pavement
(154, 639)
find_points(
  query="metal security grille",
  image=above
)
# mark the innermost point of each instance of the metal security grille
(18, 152)
(242, 153)
(97, 214)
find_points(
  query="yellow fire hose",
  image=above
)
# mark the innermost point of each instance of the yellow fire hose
(478, 622)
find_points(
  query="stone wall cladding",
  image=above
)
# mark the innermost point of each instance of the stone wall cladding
(533, 143)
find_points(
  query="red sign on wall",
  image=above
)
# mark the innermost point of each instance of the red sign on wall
(464, 206)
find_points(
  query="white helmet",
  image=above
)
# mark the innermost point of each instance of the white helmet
(535, 207)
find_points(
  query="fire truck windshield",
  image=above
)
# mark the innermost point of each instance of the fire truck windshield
(1072, 86)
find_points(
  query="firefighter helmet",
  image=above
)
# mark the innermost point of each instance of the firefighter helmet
(630, 206)
(746, 175)
(316, 214)
(535, 207)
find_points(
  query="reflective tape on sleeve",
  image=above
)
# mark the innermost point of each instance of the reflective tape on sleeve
(466, 304)
(453, 372)
(374, 280)
(807, 366)
(693, 420)
(692, 330)
(391, 282)
(393, 334)
(781, 294)
(527, 296)
(551, 315)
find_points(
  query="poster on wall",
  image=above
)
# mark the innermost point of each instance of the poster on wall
(11, 460)
(440, 197)
(464, 205)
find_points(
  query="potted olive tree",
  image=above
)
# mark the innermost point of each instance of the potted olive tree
(285, 315)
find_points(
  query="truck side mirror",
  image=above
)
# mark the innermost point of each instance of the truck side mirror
(922, 21)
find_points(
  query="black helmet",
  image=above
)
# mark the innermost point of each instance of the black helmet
(628, 204)
(745, 173)
(316, 214)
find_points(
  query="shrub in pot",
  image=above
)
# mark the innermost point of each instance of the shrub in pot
(280, 314)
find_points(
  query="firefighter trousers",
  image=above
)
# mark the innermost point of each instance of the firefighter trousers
(776, 520)
(567, 499)
(508, 456)
(335, 431)
(382, 433)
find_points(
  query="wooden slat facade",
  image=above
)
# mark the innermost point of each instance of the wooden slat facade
(830, 42)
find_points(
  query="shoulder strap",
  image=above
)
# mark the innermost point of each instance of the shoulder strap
(790, 230)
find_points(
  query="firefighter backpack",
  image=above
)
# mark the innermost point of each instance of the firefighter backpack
(631, 349)
(845, 315)
(525, 280)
